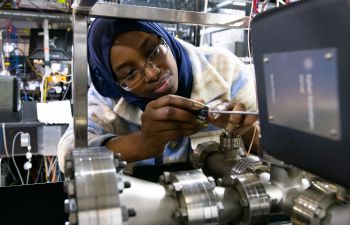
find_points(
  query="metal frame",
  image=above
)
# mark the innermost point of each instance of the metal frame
(86, 9)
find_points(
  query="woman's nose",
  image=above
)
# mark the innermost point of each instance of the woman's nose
(151, 73)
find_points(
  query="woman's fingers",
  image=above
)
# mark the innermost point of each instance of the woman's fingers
(175, 101)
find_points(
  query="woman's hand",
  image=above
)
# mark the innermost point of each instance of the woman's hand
(168, 118)
(233, 123)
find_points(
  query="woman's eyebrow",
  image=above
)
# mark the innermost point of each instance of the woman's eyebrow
(145, 43)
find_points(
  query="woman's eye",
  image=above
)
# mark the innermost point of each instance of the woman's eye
(154, 55)
(130, 75)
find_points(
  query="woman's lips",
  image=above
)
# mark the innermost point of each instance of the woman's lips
(163, 84)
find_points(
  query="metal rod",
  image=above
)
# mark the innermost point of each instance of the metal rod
(234, 112)
(165, 15)
(80, 82)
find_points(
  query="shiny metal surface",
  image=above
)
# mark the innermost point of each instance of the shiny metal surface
(247, 163)
(199, 155)
(234, 112)
(230, 199)
(165, 15)
(253, 197)
(230, 145)
(153, 205)
(85, 4)
(34, 15)
(311, 206)
(197, 200)
(94, 192)
(153, 199)
(80, 81)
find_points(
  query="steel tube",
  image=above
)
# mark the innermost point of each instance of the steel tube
(152, 204)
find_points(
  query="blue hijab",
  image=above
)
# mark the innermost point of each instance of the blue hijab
(100, 38)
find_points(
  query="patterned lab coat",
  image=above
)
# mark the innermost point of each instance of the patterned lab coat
(217, 73)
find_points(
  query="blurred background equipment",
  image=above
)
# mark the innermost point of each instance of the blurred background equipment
(299, 176)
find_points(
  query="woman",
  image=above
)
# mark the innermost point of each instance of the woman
(146, 85)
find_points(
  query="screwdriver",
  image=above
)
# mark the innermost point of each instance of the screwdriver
(234, 112)
(203, 113)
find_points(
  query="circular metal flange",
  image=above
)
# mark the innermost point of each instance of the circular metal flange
(93, 188)
(254, 199)
(310, 207)
(195, 193)
(248, 164)
(199, 155)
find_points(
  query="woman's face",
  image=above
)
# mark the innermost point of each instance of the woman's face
(144, 65)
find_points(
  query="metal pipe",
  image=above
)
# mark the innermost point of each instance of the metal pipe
(165, 15)
(230, 199)
(13, 14)
(154, 206)
(217, 165)
(337, 214)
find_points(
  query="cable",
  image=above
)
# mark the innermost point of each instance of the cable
(4, 138)
(39, 170)
(252, 141)
(0, 171)
(13, 157)
(67, 90)
(28, 176)
(52, 165)
(46, 174)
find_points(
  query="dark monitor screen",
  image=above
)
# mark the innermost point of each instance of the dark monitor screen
(60, 44)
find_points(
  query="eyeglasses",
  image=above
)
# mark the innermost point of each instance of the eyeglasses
(135, 77)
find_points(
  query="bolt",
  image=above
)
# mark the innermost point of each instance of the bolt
(116, 163)
(165, 178)
(131, 212)
(320, 213)
(122, 164)
(73, 219)
(66, 223)
(212, 182)
(220, 208)
(117, 155)
(177, 187)
(180, 214)
(127, 184)
(333, 132)
(328, 55)
(266, 60)
(69, 170)
(177, 215)
(220, 182)
(66, 206)
(271, 118)
(68, 186)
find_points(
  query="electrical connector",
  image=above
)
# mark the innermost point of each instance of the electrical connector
(25, 140)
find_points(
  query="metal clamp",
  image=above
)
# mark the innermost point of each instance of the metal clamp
(310, 207)
(230, 145)
(93, 188)
(254, 199)
(195, 193)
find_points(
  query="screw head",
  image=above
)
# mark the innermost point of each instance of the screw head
(131, 212)
(328, 55)
(266, 60)
(333, 132)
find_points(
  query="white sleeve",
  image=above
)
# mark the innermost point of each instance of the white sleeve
(101, 125)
